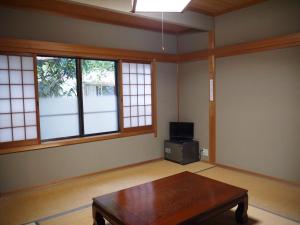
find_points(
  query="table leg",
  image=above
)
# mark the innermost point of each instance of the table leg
(241, 212)
(98, 218)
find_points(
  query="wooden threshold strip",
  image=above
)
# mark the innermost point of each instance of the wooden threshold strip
(72, 141)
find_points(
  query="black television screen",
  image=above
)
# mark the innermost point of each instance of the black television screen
(181, 131)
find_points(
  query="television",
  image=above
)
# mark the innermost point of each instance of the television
(181, 131)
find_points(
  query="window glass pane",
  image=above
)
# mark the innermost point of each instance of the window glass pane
(125, 79)
(141, 89)
(16, 91)
(4, 77)
(125, 67)
(141, 100)
(27, 63)
(18, 119)
(126, 111)
(147, 69)
(141, 110)
(5, 135)
(28, 77)
(58, 103)
(148, 120)
(133, 79)
(126, 100)
(126, 90)
(15, 62)
(133, 67)
(4, 106)
(133, 89)
(29, 91)
(15, 77)
(5, 120)
(4, 91)
(147, 79)
(17, 105)
(148, 110)
(140, 68)
(126, 122)
(3, 62)
(31, 132)
(134, 121)
(19, 133)
(100, 105)
(148, 89)
(30, 119)
(30, 105)
(141, 79)
(134, 111)
(148, 100)
(133, 100)
(142, 121)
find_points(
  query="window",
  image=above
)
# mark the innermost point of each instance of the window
(17, 99)
(58, 103)
(100, 103)
(137, 95)
(46, 98)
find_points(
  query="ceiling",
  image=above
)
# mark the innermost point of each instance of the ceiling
(198, 16)
(218, 7)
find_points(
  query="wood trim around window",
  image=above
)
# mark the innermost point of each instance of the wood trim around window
(20, 146)
(76, 50)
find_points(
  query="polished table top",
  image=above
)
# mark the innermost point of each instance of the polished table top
(169, 200)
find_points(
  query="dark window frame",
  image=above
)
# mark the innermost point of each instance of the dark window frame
(78, 68)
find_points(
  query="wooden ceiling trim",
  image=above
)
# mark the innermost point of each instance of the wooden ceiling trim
(219, 7)
(62, 49)
(96, 14)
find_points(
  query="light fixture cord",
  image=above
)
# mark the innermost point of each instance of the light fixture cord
(162, 32)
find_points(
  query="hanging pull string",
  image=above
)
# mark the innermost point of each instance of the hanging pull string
(162, 32)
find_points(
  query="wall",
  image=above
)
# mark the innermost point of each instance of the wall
(258, 110)
(258, 94)
(192, 42)
(193, 98)
(50, 27)
(264, 20)
(32, 168)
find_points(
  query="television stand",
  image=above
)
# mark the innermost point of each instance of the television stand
(182, 151)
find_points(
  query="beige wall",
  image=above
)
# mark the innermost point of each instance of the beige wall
(258, 108)
(191, 42)
(50, 27)
(193, 98)
(27, 169)
(264, 20)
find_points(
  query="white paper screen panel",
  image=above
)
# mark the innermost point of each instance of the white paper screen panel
(137, 91)
(17, 99)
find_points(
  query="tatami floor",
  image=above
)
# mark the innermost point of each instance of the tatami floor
(69, 202)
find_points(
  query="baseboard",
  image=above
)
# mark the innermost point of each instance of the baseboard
(259, 174)
(21, 190)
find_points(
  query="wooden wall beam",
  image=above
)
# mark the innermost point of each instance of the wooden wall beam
(212, 98)
(285, 41)
(61, 49)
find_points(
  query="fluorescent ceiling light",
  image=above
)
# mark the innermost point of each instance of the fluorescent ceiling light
(160, 5)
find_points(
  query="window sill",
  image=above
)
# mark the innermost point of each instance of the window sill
(72, 141)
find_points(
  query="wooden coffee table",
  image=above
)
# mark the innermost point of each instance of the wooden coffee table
(184, 198)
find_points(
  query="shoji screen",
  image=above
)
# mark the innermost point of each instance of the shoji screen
(137, 90)
(17, 99)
